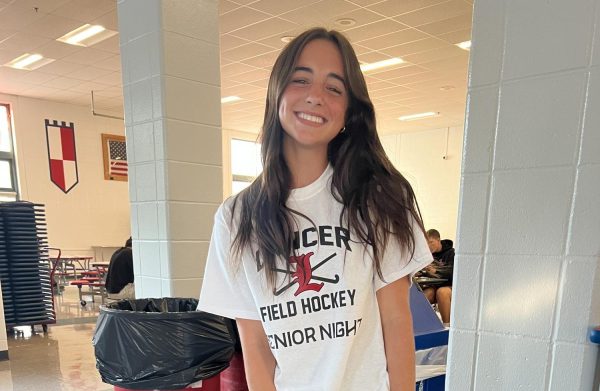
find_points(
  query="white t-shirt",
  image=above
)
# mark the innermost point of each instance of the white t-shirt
(322, 321)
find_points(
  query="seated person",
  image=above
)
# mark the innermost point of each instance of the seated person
(119, 278)
(442, 267)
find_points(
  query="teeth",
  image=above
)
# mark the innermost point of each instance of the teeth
(312, 118)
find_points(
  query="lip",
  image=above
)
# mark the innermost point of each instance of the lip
(296, 113)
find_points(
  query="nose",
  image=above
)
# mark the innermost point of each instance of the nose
(315, 95)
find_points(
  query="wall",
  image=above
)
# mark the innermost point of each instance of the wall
(436, 181)
(527, 285)
(96, 211)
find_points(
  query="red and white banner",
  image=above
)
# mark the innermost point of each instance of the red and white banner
(62, 157)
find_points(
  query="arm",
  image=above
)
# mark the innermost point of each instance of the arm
(398, 338)
(258, 360)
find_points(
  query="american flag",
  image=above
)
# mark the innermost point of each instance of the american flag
(118, 158)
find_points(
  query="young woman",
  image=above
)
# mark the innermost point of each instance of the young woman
(314, 259)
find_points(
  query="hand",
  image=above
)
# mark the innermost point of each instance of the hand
(431, 271)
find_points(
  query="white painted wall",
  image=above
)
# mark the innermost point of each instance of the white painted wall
(436, 181)
(527, 284)
(96, 211)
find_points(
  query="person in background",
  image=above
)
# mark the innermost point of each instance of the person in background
(442, 267)
(119, 278)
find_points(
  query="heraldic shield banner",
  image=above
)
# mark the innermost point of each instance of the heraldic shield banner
(61, 154)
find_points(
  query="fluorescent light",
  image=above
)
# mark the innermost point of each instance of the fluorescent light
(229, 99)
(29, 62)
(26, 59)
(87, 35)
(413, 117)
(464, 45)
(381, 64)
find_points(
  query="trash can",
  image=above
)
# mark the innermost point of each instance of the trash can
(162, 344)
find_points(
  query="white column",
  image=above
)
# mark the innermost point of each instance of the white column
(171, 86)
(527, 284)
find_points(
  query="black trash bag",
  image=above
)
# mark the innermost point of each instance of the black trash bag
(160, 343)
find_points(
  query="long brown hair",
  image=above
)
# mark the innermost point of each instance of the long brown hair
(378, 202)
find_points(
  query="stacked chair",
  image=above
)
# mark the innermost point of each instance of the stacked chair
(25, 274)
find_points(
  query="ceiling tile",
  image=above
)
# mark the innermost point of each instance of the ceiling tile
(323, 13)
(110, 92)
(110, 45)
(366, 3)
(415, 47)
(277, 7)
(52, 26)
(44, 7)
(236, 68)
(7, 55)
(414, 78)
(434, 13)
(57, 50)
(61, 83)
(448, 25)
(361, 16)
(88, 56)
(390, 8)
(18, 17)
(246, 51)
(437, 54)
(6, 33)
(239, 18)
(229, 42)
(457, 36)
(59, 67)
(112, 63)
(382, 27)
(387, 73)
(7, 73)
(226, 6)
(36, 78)
(89, 73)
(373, 57)
(40, 92)
(265, 60)
(109, 20)
(394, 39)
(85, 11)
(258, 74)
(88, 86)
(264, 29)
(24, 42)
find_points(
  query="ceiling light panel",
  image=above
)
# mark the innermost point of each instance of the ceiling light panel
(29, 62)
(87, 35)
(381, 64)
(414, 117)
(466, 45)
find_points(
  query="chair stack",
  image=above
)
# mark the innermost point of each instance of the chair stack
(24, 268)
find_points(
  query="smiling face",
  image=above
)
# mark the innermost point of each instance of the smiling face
(312, 108)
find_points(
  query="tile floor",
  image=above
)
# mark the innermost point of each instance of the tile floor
(61, 360)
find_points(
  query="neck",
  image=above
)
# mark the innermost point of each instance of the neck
(305, 165)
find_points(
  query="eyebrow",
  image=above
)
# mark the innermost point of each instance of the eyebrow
(331, 74)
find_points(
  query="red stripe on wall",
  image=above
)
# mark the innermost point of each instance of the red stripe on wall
(57, 173)
(67, 138)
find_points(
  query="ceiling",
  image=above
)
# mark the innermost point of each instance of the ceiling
(422, 32)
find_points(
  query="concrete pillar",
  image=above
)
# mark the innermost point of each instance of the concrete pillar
(527, 284)
(171, 86)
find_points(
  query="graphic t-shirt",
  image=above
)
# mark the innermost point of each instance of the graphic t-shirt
(322, 319)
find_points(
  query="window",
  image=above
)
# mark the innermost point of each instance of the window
(8, 180)
(245, 163)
